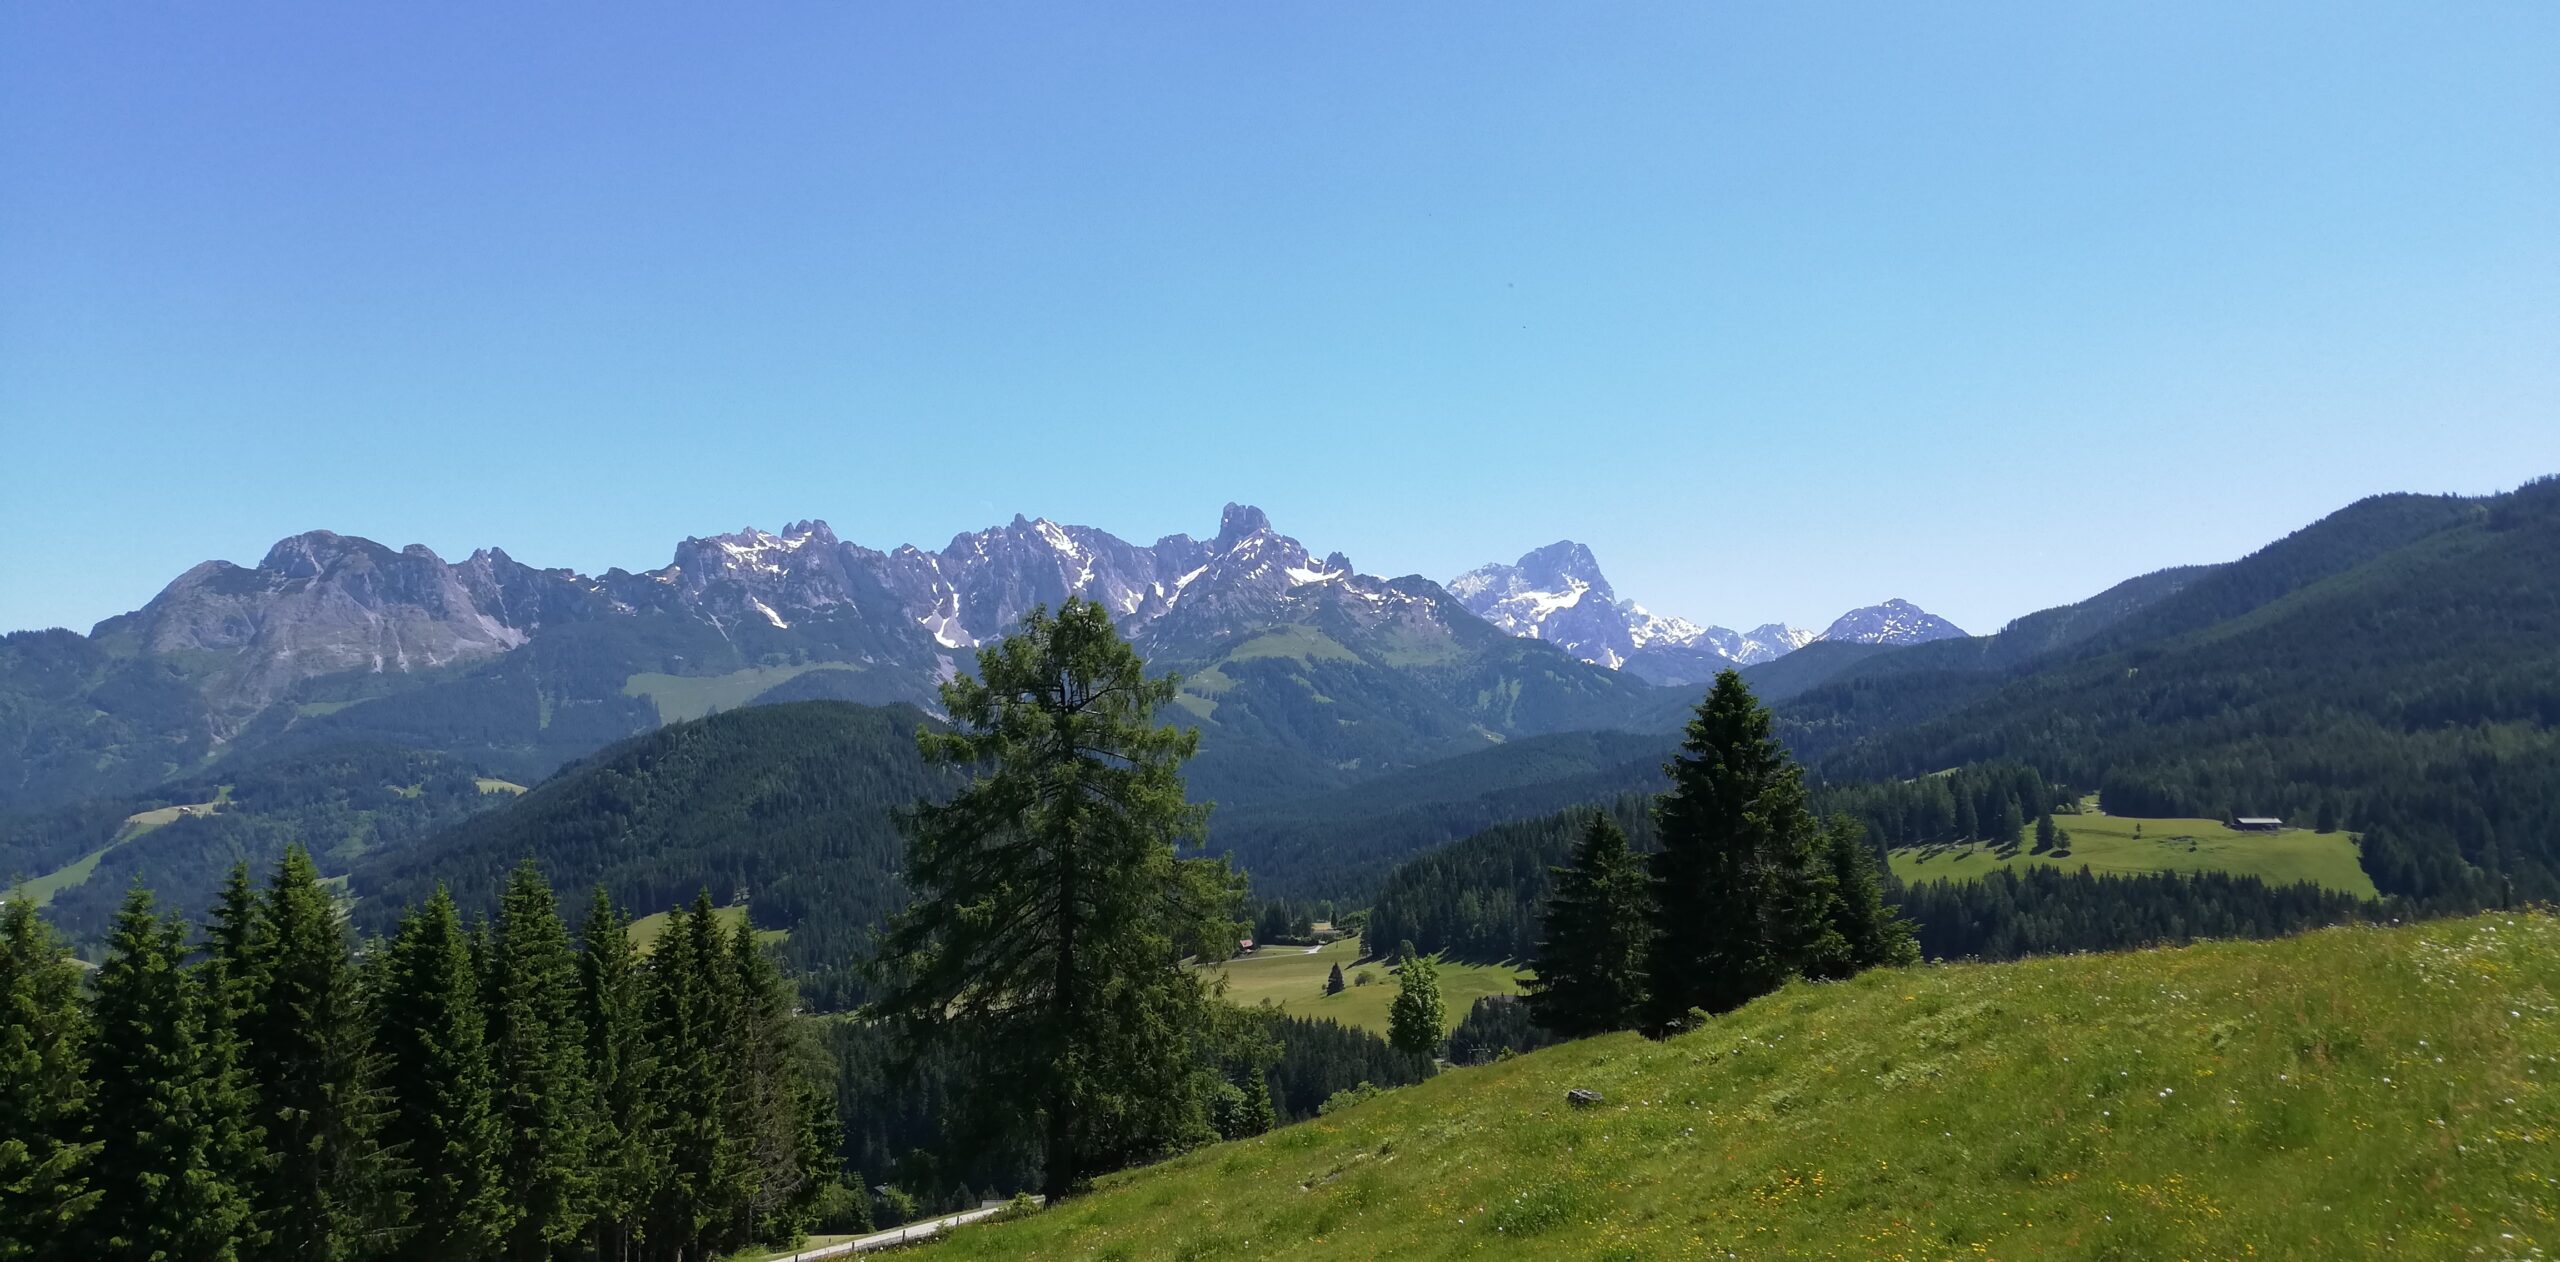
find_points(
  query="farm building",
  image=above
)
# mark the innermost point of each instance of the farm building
(2256, 824)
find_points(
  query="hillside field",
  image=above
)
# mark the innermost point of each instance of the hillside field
(2353, 1093)
(2108, 845)
(1291, 978)
(646, 930)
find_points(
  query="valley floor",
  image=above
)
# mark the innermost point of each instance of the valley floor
(1292, 978)
(2356, 1092)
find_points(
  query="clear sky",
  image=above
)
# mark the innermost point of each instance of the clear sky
(1781, 308)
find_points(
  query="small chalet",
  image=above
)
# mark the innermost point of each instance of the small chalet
(2256, 824)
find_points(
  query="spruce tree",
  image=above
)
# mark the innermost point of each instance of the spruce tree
(1871, 933)
(1589, 971)
(2044, 833)
(1743, 896)
(621, 1063)
(2012, 828)
(692, 1009)
(162, 1110)
(328, 1192)
(445, 1121)
(1333, 981)
(1414, 1018)
(232, 974)
(789, 1138)
(537, 1048)
(45, 1188)
(1050, 899)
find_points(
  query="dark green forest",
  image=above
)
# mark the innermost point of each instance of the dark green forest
(462, 1089)
(788, 808)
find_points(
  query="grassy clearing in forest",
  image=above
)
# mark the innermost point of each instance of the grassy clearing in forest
(2117, 845)
(1292, 979)
(646, 931)
(2359, 1092)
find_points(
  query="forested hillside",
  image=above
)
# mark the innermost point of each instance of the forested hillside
(1485, 898)
(2396, 665)
(789, 808)
(1340, 845)
(344, 803)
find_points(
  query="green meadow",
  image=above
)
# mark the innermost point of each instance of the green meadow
(1292, 979)
(2353, 1093)
(681, 697)
(2118, 845)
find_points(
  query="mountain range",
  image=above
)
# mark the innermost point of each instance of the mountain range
(1558, 594)
(1331, 674)
(2395, 665)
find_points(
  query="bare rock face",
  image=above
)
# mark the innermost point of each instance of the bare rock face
(322, 604)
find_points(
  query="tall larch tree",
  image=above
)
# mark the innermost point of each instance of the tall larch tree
(537, 1047)
(329, 1192)
(1051, 901)
(1742, 892)
(162, 1111)
(1589, 971)
(445, 1122)
(45, 1189)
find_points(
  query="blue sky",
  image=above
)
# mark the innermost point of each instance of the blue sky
(1780, 308)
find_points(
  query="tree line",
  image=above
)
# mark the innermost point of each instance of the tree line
(1746, 891)
(491, 1090)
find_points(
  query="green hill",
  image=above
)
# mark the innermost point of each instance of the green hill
(2352, 1093)
(787, 806)
(2396, 664)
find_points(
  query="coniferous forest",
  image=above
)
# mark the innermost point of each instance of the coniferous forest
(463, 1089)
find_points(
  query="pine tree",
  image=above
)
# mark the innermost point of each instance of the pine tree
(328, 1192)
(1414, 1018)
(2044, 833)
(537, 1048)
(2012, 828)
(1589, 971)
(788, 1124)
(691, 1011)
(1872, 934)
(1333, 981)
(613, 1004)
(1742, 895)
(45, 1188)
(1050, 899)
(445, 1121)
(159, 1103)
(234, 953)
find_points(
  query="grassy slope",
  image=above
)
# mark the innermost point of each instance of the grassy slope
(1290, 978)
(2106, 844)
(646, 930)
(43, 888)
(2359, 1092)
(681, 697)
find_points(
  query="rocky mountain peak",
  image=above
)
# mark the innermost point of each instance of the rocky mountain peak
(1559, 565)
(1896, 621)
(1239, 522)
